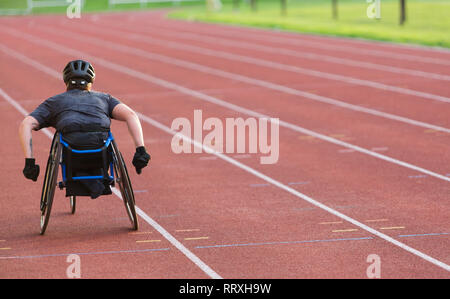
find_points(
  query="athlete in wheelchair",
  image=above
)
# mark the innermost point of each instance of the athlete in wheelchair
(83, 146)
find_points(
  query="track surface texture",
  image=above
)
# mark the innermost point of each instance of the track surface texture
(363, 168)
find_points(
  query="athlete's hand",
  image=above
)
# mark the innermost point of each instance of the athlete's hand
(140, 159)
(31, 170)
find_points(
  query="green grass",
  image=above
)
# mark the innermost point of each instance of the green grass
(13, 4)
(427, 22)
(93, 6)
(102, 5)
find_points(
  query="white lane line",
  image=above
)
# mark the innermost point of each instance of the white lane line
(297, 40)
(301, 54)
(296, 193)
(253, 81)
(290, 68)
(217, 101)
(301, 70)
(197, 261)
(268, 179)
(205, 268)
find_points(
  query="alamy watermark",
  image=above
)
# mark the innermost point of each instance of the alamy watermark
(74, 9)
(374, 9)
(74, 269)
(374, 269)
(229, 137)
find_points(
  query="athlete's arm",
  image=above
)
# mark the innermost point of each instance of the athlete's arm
(31, 170)
(26, 127)
(124, 113)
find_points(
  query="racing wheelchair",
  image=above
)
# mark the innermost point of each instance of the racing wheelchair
(105, 164)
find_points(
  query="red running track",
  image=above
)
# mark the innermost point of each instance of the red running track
(347, 184)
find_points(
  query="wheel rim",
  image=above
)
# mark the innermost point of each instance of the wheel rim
(122, 181)
(48, 190)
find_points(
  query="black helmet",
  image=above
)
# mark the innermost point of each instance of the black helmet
(79, 69)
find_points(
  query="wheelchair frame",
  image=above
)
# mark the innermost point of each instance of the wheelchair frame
(115, 172)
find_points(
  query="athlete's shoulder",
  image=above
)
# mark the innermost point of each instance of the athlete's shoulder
(100, 94)
(56, 97)
(106, 96)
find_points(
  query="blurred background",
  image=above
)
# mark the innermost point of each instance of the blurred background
(424, 22)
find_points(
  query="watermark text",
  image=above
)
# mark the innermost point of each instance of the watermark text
(236, 135)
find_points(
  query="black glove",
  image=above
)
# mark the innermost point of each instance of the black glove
(31, 170)
(140, 159)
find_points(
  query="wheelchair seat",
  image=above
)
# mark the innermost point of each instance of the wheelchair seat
(104, 165)
(83, 169)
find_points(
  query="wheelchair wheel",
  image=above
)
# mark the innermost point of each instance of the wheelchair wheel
(73, 203)
(126, 190)
(50, 179)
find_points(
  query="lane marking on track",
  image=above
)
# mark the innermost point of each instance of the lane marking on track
(259, 62)
(214, 246)
(392, 227)
(346, 151)
(303, 71)
(205, 268)
(326, 43)
(344, 230)
(265, 84)
(258, 185)
(196, 260)
(139, 233)
(422, 235)
(200, 263)
(377, 220)
(243, 156)
(341, 136)
(309, 139)
(436, 133)
(283, 242)
(299, 54)
(196, 238)
(420, 176)
(296, 193)
(331, 222)
(207, 98)
(306, 241)
(208, 158)
(84, 253)
(187, 230)
(147, 241)
(246, 168)
(304, 209)
(298, 183)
